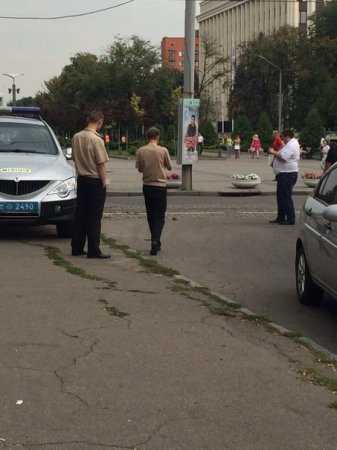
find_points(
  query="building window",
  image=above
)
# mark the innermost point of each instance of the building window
(181, 53)
(181, 63)
(172, 54)
(196, 54)
(196, 63)
(303, 17)
(172, 63)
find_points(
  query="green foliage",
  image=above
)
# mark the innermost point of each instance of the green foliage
(312, 131)
(265, 130)
(126, 82)
(308, 64)
(209, 133)
(243, 128)
(324, 21)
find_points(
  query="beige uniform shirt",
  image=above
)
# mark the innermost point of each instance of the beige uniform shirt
(151, 161)
(88, 151)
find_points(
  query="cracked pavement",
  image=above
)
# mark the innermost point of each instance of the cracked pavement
(130, 359)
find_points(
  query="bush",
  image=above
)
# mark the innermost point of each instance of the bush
(265, 130)
(209, 134)
(312, 132)
(243, 128)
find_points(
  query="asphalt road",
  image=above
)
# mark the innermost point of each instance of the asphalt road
(228, 245)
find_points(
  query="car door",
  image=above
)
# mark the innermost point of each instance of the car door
(323, 246)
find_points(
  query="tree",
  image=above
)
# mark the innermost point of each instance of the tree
(243, 128)
(312, 131)
(208, 132)
(265, 130)
(214, 66)
(256, 84)
(324, 21)
(74, 93)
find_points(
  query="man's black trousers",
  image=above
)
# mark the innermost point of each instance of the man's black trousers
(155, 202)
(89, 211)
(285, 184)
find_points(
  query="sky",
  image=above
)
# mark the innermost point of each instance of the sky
(39, 49)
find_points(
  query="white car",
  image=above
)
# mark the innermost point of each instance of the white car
(37, 184)
(316, 247)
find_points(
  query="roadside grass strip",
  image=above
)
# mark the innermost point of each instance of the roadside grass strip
(148, 264)
(54, 254)
(216, 304)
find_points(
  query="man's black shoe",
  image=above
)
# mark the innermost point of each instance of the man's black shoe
(275, 221)
(82, 253)
(155, 248)
(99, 256)
(286, 222)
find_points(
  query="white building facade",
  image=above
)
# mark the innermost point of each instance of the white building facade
(231, 23)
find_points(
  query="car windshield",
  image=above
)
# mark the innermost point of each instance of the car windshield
(26, 138)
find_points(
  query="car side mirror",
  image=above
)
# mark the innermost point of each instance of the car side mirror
(330, 213)
(68, 152)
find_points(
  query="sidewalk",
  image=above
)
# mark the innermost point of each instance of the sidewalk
(209, 177)
(117, 354)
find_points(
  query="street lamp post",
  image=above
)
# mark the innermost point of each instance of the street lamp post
(13, 90)
(280, 91)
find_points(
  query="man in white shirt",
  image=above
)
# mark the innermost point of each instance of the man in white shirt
(285, 167)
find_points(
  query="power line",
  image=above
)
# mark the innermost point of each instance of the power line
(67, 16)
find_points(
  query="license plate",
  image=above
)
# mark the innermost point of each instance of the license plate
(19, 207)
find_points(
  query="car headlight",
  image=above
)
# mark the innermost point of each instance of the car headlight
(64, 188)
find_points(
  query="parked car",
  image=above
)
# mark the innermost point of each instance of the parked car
(37, 184)
(316, 247)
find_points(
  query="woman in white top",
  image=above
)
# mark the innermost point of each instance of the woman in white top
(324, 150)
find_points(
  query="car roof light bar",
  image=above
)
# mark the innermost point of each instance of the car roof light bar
(20, 109)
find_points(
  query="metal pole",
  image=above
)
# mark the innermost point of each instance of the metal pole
(13, 76)
(280, 104)
(280, 91)
(186, 182)
(14, 93)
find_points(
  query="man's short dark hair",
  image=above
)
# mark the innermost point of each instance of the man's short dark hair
(95, 116)
(287, 133)
(152, 133)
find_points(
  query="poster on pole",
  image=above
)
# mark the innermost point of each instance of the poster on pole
(188, 130)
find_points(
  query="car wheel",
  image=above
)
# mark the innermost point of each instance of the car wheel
(64, 229)
(308, 293)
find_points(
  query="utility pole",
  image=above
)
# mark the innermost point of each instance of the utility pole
(14, 90)
(190, 8)
(280, 99)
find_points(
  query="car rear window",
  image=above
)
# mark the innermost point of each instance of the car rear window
(26, 138)
(327, 189)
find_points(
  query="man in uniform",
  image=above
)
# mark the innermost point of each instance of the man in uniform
(151, 161)
(90, 158)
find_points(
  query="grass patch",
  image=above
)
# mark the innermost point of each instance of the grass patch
(318, 355)
(316, 377)
(148, 264)
(333, 405)
(54, 254)
(112, 310)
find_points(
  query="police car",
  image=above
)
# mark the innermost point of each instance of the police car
(37, 184)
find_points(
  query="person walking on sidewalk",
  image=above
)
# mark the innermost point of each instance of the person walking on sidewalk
(229, 146)
(200, 143)
(331, 156)
(151, 161)
(237, 146)
(255, 146)
(286, 169)
(324, 151)
(276, 145)
(90, 158)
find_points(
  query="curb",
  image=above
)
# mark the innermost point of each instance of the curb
(286, 332)
(180, 193)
